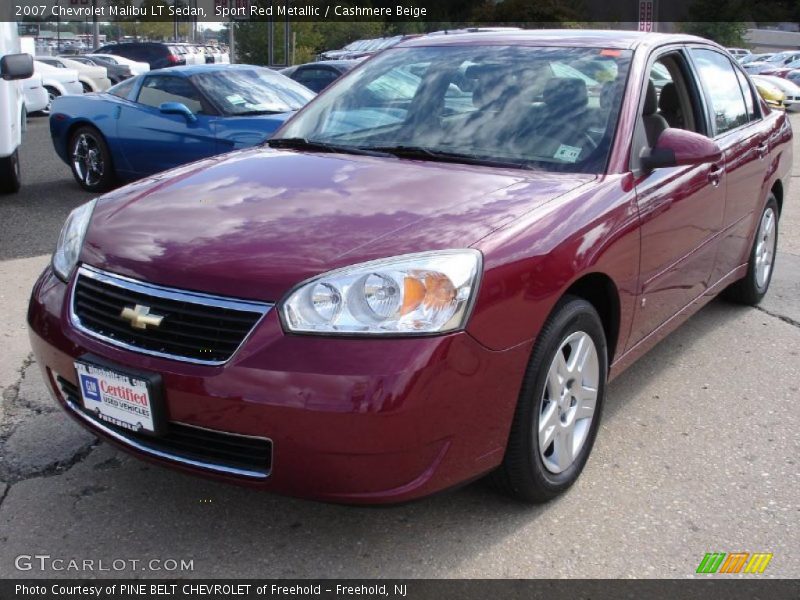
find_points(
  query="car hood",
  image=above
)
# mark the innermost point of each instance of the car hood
(256, 222)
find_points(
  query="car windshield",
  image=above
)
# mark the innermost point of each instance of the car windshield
(550, 108)
(251, 91)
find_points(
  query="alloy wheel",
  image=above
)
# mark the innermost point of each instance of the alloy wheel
(765, 247)
(87, 159)
(568, 401)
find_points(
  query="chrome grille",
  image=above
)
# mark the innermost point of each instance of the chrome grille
(195, 327)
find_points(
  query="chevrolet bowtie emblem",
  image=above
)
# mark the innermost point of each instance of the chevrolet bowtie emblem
(140, 318)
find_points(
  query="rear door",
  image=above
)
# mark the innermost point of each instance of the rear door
(740, 131)
(153, 141)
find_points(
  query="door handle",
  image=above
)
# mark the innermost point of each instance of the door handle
(762, 149)
(715, 175)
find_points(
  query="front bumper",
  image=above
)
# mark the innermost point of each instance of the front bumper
(349, 420)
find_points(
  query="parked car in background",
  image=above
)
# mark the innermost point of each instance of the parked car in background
(790, 90)
(136, 67)
(14, 66)
(769, 92)
(316, 76)
(352, 47)
(190, 54)
(116, 72)
(363, 48)
(92, 77)
(775, 61)
(155, 54)
(160, 120)
(794, 76)
(748, 58)
(783, 70)
(402, 294)
(36, 96)
(738, 53)
(58, 82)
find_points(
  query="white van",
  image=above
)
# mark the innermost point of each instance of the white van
(13, 67)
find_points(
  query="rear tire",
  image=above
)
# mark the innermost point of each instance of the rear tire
(558, 411)
(752, 288)
(10, 176)
(90, 160)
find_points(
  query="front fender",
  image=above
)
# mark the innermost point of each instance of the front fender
(531, 262)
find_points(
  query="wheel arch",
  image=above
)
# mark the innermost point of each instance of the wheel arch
(777, 191)
(599, 290)
(85, 122)
(55, 85)
(91, 84)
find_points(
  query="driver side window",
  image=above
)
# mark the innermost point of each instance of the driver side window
(670, 102)
(158, 89)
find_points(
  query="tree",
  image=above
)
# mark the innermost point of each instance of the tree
(718, 21)
(725, 33)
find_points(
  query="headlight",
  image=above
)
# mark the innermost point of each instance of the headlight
(71, 240)
(430, 292)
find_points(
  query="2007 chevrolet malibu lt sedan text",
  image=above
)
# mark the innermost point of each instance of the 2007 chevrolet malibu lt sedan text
(428, 275)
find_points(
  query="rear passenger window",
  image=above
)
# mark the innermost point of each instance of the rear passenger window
(316, 79)
(722, 88)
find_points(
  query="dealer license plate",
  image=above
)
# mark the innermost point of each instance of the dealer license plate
(117, 398)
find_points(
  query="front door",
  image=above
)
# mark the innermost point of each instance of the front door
(154, 141)
(680, 208)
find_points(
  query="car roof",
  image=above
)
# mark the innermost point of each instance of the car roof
(590, 38)
(189, 70)
(343, 63)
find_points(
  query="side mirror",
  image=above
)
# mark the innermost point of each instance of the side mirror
(678, 147)
(16, 66)
(177, 108)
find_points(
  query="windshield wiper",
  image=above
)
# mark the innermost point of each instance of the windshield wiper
(248, 113)
(298, 143)
(433, 154)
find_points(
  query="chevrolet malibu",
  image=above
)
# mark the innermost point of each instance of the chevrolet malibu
(430, 274)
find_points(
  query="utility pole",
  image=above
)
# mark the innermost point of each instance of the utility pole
(95, 27)
(231, 34)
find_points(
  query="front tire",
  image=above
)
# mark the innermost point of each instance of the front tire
(52, 94)
(90, 160)
(10, 175)
(752, 288)
(558, 411)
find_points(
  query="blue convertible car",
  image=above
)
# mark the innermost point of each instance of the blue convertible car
(169, 117)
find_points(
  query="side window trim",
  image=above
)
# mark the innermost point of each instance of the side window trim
(705, 93)
(753, 93)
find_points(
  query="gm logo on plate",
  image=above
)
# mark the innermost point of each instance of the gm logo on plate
(91, 389)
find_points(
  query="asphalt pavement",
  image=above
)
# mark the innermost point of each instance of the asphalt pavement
(698, 452)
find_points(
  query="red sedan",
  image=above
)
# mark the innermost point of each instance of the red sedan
(428, 275)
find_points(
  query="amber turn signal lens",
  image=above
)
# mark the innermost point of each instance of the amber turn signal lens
(440, 291)
(413, 294)
(435, 292)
